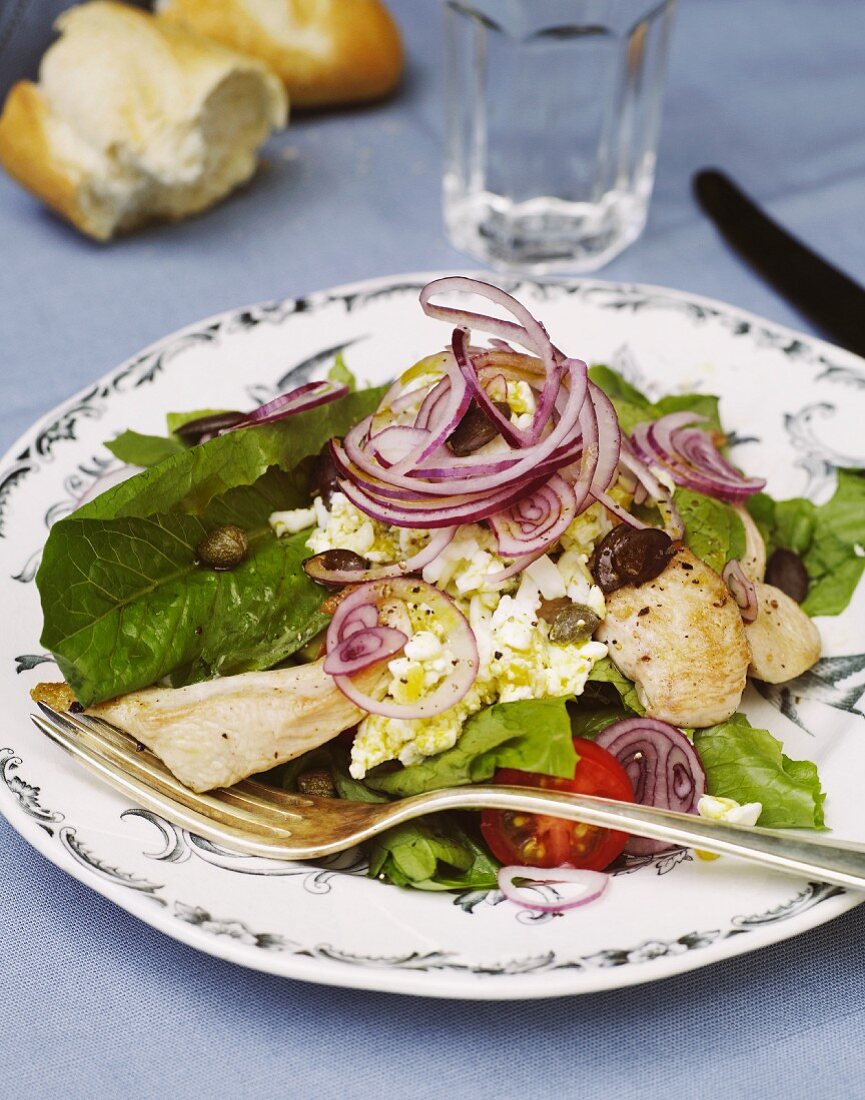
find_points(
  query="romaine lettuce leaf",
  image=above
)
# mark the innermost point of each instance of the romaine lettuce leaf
(713, 531)
(124, 600)
(829, 538)
(432, 853)
(747, 764)
(604, 672)
(532, 735)
(136, 449)
(633, 407)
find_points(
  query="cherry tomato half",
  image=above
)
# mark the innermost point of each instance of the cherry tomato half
(536, 840)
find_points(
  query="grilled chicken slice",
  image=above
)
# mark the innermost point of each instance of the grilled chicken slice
(681, 640)
(215, 733)
(753, 561)
(784, 641)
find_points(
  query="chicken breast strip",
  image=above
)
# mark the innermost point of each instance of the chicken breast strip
(784, 641)
(215, 733)
(681, 640)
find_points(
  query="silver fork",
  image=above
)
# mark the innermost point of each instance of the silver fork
(264, 821)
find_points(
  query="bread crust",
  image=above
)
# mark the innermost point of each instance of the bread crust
(26, 154)
(135, 120)
(326, 52)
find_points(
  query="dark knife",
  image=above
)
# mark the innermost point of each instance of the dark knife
(831, 300)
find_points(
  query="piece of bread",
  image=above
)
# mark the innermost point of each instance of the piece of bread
(134, 120)
(327, 52)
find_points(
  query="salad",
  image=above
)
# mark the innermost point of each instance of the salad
(507, 566)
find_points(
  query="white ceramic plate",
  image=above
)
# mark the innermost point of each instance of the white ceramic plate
(796, 406)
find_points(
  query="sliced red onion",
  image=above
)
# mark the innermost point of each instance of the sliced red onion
(460, 646)
(308, 396)
(741, 589)
(622, 513)
(691, 457)
(591, 883)
(654, 490)
(363, 647)
(663, 767)
(362, 616)
(535, 522)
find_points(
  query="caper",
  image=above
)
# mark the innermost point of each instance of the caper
(317, 782)
(575, 623)
(786, 570)
(630, 556)
(332, 561)
(224, 548)
(204, 427)
(475, 429)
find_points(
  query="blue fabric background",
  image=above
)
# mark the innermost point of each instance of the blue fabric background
(94, 1003)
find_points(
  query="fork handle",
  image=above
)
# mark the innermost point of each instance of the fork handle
(790, 852)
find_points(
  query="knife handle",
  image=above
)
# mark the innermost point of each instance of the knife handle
(831, 300)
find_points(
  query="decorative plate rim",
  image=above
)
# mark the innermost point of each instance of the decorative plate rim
(439, 978)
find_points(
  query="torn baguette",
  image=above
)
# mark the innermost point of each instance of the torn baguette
(135, 120)
(326, 52)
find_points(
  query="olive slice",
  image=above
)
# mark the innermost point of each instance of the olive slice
(630, 556)
(333, 561)
(194, 430)
(324, 479)
(475, 429)
(786, 570)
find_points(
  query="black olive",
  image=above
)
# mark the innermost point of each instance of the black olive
(549, 609)
(316, 782)
(475, 429)
(628, 556)
(785, 570)
(323, 482)
(575, 623)
(193, 430)
(330, 561)
(223, 548)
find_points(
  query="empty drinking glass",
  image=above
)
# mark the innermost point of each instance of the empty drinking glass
(554, 109)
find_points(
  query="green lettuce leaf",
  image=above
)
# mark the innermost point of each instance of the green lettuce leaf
(747, 764)
(605, 673)
(143, 450)
(588, 722)
(532, 735)
(124, 600)
(633, 407)
(713, 530)
(189, 481)
(828, 537)
(340, 373)
(433, 853)
(438, 852)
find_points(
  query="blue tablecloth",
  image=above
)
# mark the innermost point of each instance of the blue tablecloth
(94, 1003)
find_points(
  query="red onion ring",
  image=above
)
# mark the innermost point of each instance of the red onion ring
(308, 396)
(594, 883)
(535, 522)
(654, 490)
(363, 647)
(691, 457)
(663, 767)
(742, 590)
(460, 645)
